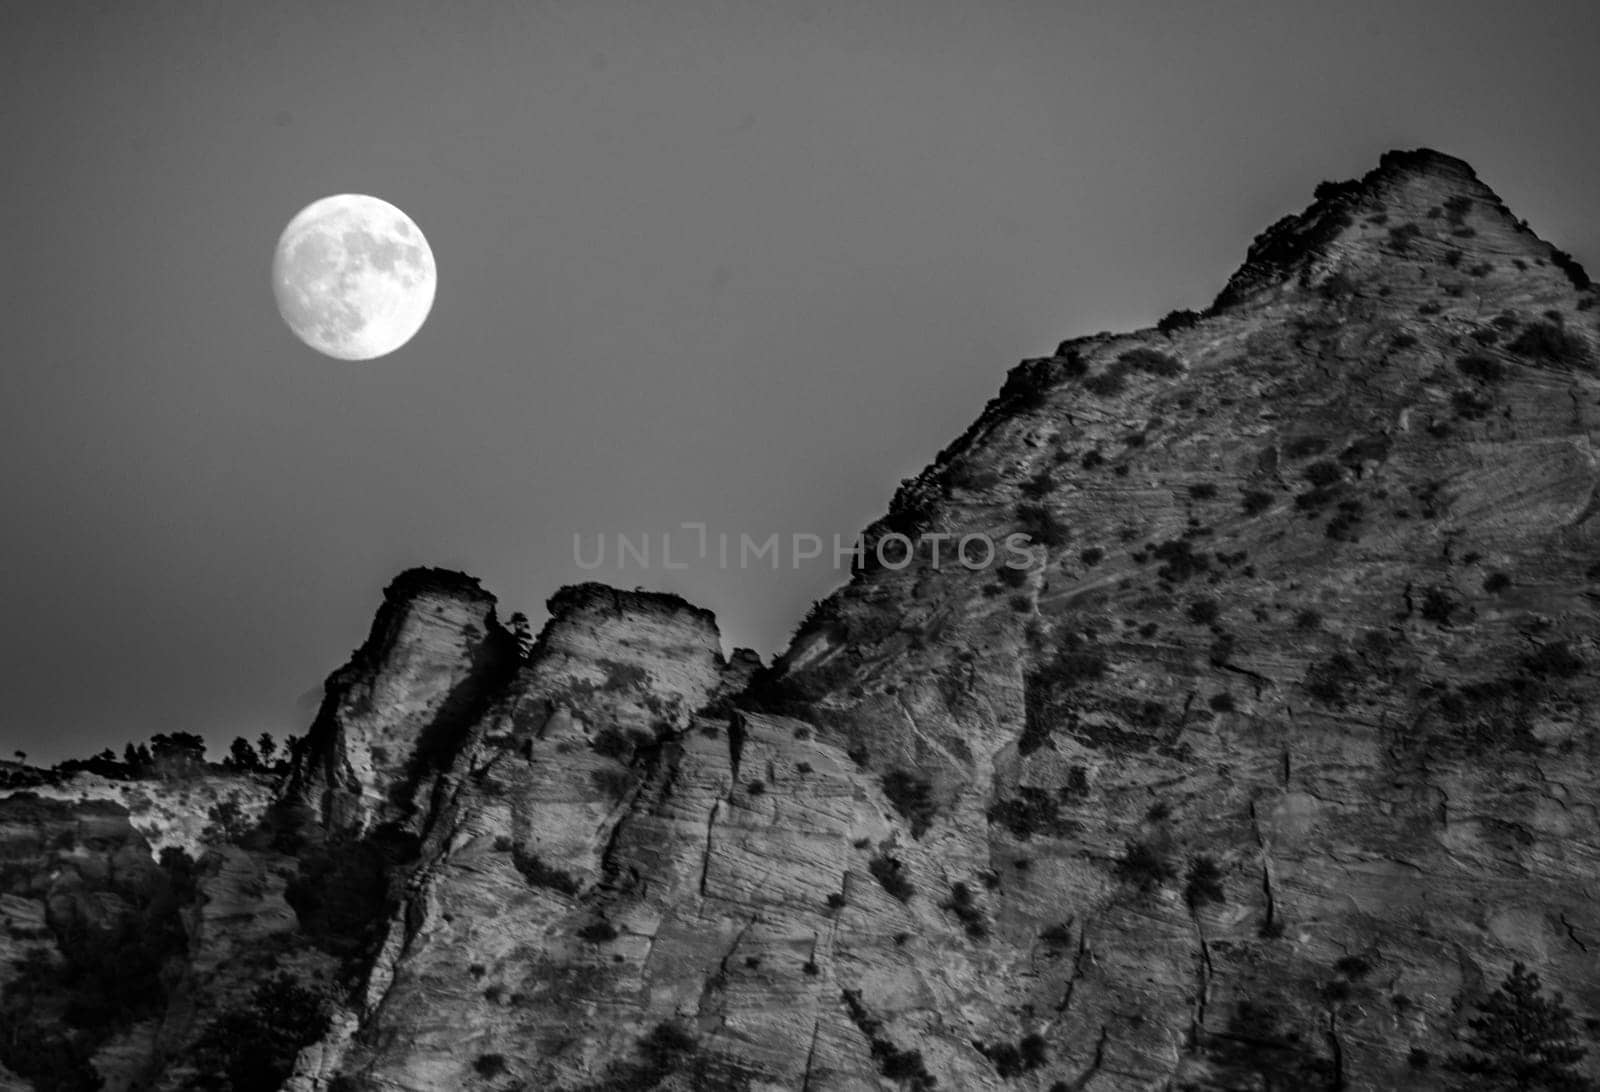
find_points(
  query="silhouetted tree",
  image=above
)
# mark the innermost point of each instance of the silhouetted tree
(139, 758)
(521, 630)
(179, 754)
(1174, 321)
(178, 745)
(1521, 1039)
(242, 756)
(267, 746)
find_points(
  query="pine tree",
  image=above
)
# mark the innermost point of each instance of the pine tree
(1521, 1039)
(179, 748)
(267, 746)
(242, 756)
(523, 632)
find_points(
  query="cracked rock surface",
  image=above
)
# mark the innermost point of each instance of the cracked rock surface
(1274, 760)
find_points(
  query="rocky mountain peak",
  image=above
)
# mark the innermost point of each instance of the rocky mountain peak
(1267, 767)
(599, 600)
(1419, 205)
(434, 649)
(1446, 173)
(1330, 537)
(425, 581)
(584, 617)
(597, 634)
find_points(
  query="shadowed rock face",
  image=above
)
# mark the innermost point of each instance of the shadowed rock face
(92, 940)
(1275, 760)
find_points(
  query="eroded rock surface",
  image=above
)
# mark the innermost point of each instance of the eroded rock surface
(1272, 763)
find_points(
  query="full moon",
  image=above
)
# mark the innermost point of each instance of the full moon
(353, 276)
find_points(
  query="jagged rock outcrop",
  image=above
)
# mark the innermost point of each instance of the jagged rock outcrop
(1316, 610)
(1270, 763)
(436, 654)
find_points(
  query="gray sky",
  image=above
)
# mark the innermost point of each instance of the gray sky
(744, 263)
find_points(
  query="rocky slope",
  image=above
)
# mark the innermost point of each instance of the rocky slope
(1270, 765)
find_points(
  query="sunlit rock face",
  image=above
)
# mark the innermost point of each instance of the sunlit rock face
(1288, 723)
(1268, 769)
(1320, 617)
(392, 717)
(172, 813)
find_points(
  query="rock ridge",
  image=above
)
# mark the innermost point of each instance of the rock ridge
(1423, 182)
(1266, 770)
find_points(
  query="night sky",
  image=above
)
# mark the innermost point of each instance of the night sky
(746, 263)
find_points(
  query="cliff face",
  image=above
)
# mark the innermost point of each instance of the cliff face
(1266, 769)
(435, 656)
(1316, 625)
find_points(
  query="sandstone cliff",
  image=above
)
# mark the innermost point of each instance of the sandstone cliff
(1271, 765)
